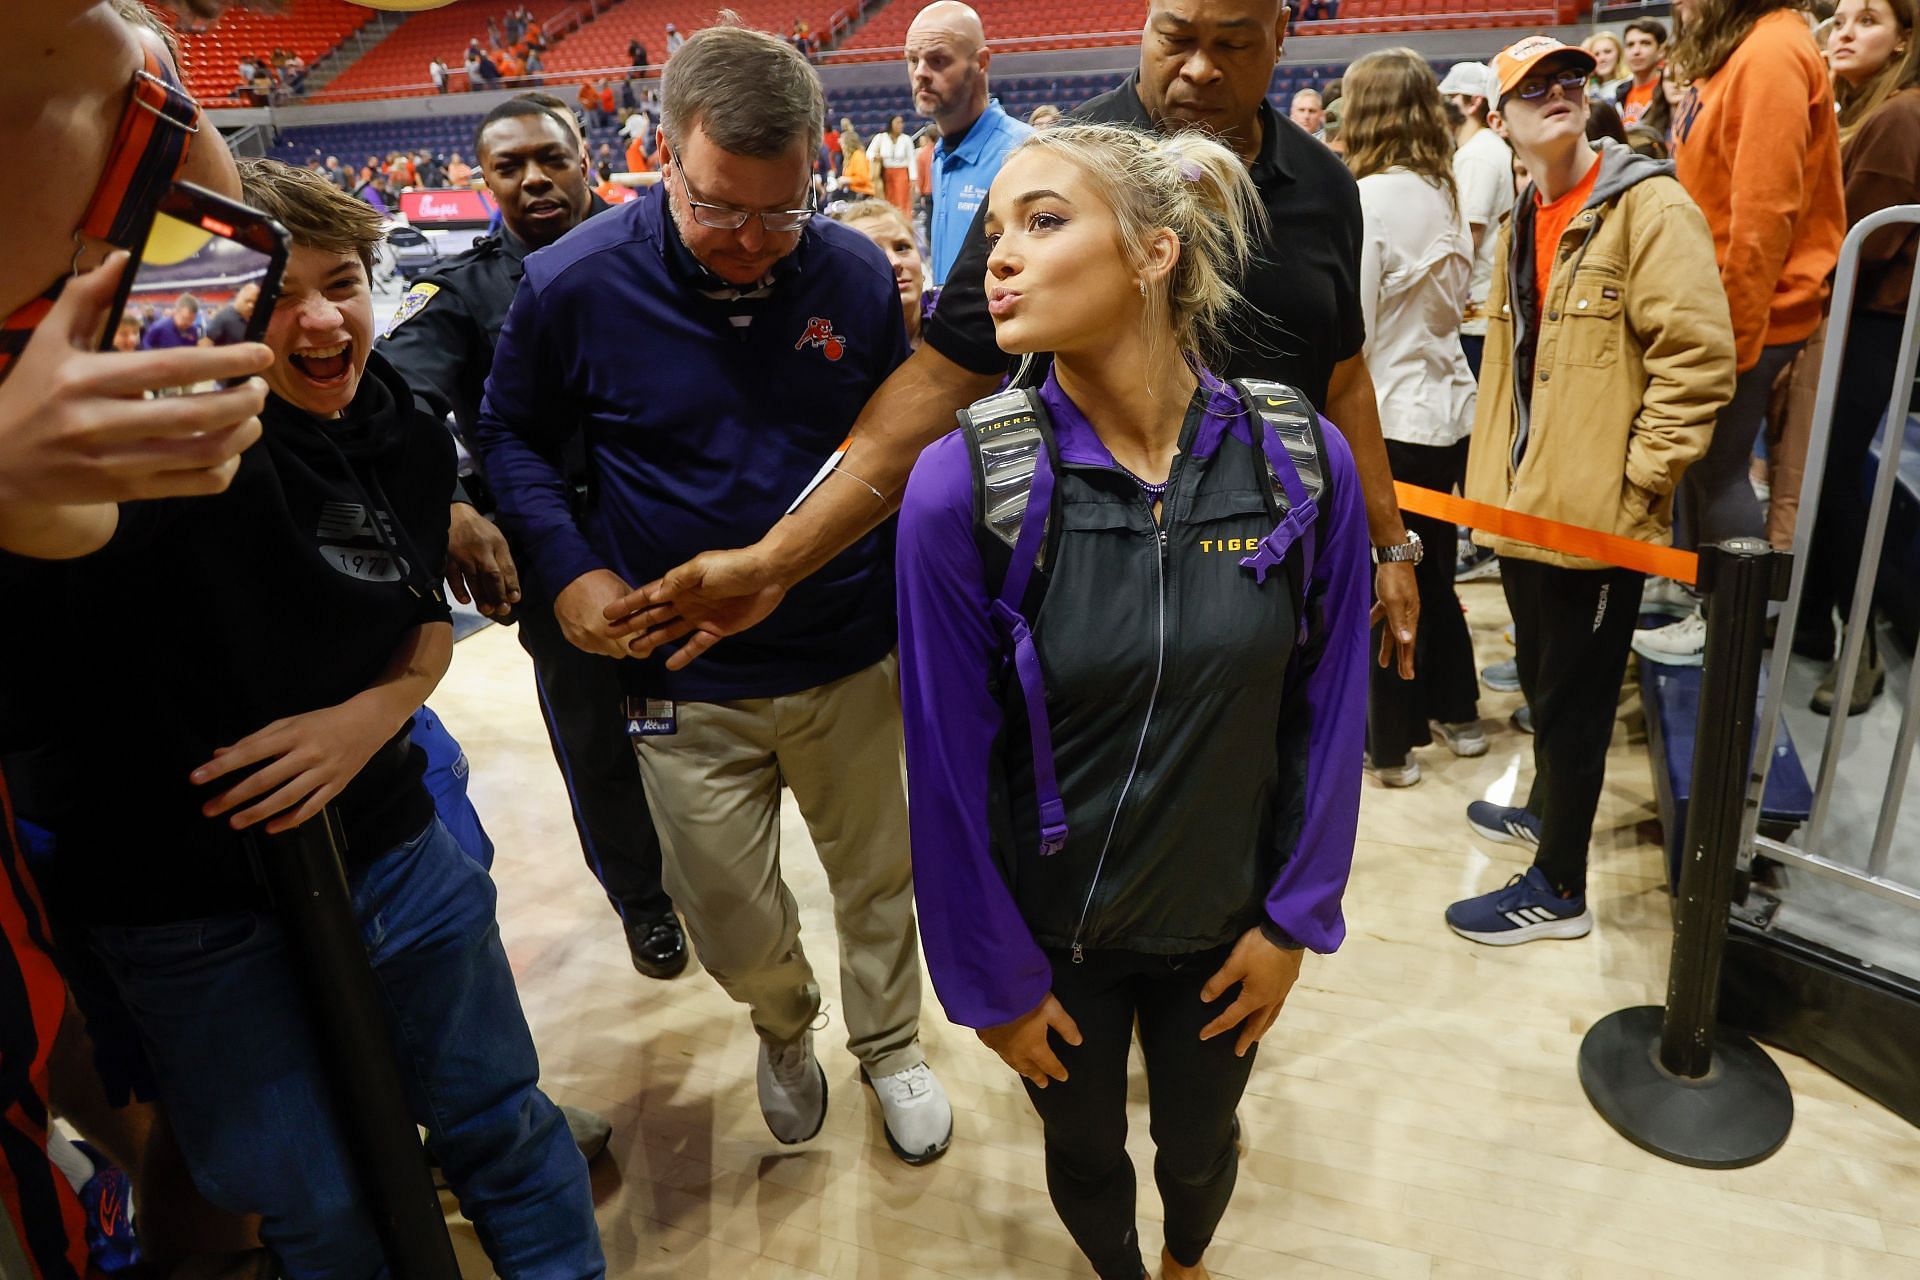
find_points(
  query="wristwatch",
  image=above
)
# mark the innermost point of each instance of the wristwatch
(1410, 551)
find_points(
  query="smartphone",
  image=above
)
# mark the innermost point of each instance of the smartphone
(207, 273)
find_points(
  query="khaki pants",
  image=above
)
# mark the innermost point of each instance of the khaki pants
(714, 785)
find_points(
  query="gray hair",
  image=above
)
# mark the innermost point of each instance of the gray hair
(752, 93)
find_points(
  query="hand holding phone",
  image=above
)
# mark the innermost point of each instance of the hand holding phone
(77, 426)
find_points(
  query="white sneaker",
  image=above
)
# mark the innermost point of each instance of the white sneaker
(1405, 775)
(793, 1089)
(1678, 644)
(1463, 739)
(1665, 596)
(917, 1117)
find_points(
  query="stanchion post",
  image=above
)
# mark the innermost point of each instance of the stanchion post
(1671, 1080)
(303, 872)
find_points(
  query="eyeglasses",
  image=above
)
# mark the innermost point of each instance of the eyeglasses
(725, 218)
(1532, 90)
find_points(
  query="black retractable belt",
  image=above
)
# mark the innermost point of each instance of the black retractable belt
(1672, 1080)
(303, 872)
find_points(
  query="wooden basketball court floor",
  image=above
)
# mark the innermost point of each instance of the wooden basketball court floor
(1414, 1114)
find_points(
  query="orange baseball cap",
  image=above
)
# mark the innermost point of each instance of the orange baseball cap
(1517, 61)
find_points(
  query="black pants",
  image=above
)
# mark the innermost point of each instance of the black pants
(1572, 629)
(1840, 528)
(1193, 1087)
(1443, 687)
(1475, 345)
(1716, 500)
(580, 699)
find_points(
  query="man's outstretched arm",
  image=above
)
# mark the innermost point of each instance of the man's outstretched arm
(721, 593)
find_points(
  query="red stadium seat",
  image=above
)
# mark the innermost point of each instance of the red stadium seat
(310, 28)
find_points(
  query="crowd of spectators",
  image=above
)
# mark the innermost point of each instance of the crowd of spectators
(1571, 282)
(268, 78)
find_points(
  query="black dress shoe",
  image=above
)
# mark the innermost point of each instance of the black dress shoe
(658, 945)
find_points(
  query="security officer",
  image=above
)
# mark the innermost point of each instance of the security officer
(442, 341)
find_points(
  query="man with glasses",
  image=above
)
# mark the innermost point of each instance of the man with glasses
(766, 329)
(1609, 352)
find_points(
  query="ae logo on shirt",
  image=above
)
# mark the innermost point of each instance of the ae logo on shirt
(351, 543)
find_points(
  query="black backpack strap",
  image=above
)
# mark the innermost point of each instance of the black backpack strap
(1010, 442)
(1294, 454)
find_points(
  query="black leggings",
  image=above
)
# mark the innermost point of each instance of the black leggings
(1193, 1087)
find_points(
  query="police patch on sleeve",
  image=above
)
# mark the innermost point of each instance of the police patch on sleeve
(411, 305)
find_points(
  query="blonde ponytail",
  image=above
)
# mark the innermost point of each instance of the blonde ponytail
(1193, 187)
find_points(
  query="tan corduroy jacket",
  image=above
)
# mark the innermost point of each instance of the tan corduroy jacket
(1592, 422)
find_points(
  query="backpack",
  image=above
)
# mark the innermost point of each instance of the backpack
(1015, 459)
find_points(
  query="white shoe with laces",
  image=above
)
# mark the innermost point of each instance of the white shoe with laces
(1678, 644)
(1665, 596)
(1464, 739)
(917, 1117)
(793, 1089)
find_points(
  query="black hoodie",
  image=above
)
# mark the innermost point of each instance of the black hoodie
(205, 619)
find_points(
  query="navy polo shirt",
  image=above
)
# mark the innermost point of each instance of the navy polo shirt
(705, 411)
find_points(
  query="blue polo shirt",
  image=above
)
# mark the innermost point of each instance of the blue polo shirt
(705, 411)
(962, 172)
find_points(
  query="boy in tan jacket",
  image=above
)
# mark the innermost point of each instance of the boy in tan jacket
(1609, 352)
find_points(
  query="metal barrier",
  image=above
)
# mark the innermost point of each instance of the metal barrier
(1809, 851)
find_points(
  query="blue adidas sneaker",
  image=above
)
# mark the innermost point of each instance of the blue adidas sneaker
(1527, 908)
(1504, 824)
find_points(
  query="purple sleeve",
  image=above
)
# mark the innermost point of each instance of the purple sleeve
(521, 437)
(984, 962)
(1324, 722)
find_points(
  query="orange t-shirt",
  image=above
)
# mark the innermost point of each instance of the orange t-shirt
(637, 157)
(1638, 102)
(1550, 220)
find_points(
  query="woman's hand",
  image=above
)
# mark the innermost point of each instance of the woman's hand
(1023, 1045)
(310, 759)
(1266, 973)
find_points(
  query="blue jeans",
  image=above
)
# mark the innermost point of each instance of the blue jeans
(226, 1027)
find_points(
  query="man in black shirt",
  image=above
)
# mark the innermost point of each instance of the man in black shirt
(229, 323)
(1203, 64)
(442, 340)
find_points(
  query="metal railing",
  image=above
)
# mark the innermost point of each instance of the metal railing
(1810, 850)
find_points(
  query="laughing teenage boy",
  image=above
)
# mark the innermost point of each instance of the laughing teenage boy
(293, 625)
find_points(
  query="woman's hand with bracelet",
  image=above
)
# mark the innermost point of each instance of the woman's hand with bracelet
(1266, 972)
(1023, 1045)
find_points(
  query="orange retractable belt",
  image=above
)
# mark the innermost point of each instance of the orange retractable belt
(1571, 539)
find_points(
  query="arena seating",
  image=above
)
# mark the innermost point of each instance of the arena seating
(603, 42)
(397, 66)
(867, 108)
(1045, 24)
(310, 28)
(1022, 24)
(578, 41)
